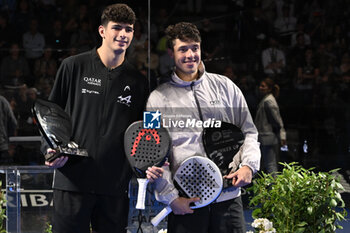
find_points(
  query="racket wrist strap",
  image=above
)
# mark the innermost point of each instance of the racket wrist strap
(162, 214)
(141, 194)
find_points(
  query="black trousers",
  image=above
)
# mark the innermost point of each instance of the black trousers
(74, 212)
(222, 217)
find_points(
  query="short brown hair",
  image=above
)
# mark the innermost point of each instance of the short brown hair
(183, 31)
(119, 12)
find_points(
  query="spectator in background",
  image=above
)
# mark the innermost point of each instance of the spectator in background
(137, 44)
(326, 60)
(300, 32)
(308, 71)
(166, 63)
(75, 16)
(22, 16)
(14, 68)
(33, 41)
(246, 83)
(8, 7)
(58, 39)
(285, 25)
(268, 8)
(142, 58)
(143, 19)
(161, 19)
(339, 39)
(254, 32)
(316, 28)
(143, 63)
(161, 44)
(273, 59)
(6, 34)
(297, 52)
(45, 12)
(230, 73)
(84, 38)
(8, 124)
(44, 87)
(33, 44)
(344, 66)
(283, 4)
(270, 126)
(45, 68)
(27, 97)
(212, 42)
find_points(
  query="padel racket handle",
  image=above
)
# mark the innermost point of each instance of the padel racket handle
(227, 183)
(162, 214)
(141, 195)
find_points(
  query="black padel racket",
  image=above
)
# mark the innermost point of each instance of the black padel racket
(221, 144)
(197, 176)
(56, 128)
(145, 148)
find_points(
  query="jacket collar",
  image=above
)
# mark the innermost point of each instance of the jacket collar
(177, 81)
(97, 59)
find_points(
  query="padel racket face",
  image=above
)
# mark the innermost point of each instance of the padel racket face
(145, 147)
(199, 177)
(53, 122)
(226, 141)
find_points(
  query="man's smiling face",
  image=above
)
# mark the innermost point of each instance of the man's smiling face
(187, 57)
(117, 36)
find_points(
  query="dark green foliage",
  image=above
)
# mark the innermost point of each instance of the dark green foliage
(299, 200)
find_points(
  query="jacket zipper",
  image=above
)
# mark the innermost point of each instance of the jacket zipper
(104, 109)
(197, 101)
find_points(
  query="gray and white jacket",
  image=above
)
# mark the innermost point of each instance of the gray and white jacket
(219, 99)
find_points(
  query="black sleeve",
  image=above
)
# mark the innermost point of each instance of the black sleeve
(60, 89)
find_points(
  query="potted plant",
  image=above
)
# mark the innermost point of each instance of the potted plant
(2, 211)
(298, 200)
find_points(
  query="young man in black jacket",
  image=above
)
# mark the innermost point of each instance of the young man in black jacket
(103, 95)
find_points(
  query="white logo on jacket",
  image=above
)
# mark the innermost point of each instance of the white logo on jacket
(215, 102)
(92, 81)
(124, 100)
(127, 99)
(86, 91)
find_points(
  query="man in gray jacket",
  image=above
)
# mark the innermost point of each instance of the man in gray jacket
(191, 95)
(8, 125)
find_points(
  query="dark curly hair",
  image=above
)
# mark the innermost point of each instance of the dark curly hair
(119, 12)
(183, 31)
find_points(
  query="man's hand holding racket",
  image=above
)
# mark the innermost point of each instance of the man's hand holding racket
(197, 178)
(57, 163)
(147, 151)
(181, 205)
(153, 173)
(241, 177)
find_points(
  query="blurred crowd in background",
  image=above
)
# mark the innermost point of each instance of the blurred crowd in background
(302, 44)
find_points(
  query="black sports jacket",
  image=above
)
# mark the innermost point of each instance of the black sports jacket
(102, 103)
